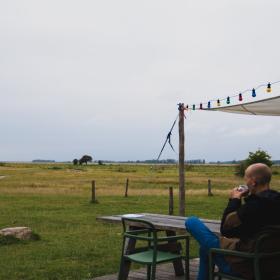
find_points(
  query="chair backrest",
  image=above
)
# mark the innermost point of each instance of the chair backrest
(268, 240)
(135, 225)
(267, 249)
(138, 229)
(264, 246)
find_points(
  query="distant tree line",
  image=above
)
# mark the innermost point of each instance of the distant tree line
(43, 160)
(86, 158)
(196, 161)
(148, 161)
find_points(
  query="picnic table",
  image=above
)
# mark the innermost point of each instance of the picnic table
(170, 224)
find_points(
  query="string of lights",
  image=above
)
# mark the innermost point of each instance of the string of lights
(227, 100)
(218, 101)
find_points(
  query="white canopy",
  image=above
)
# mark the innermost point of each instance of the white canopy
(266, 107)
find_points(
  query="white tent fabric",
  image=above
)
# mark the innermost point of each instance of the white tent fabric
(265, 107)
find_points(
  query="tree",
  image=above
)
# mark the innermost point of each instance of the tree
(85, 159)
(75, 161)
(257, 157)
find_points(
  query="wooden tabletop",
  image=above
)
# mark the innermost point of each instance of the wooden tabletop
(165, 222)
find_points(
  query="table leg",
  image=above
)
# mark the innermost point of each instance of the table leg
(178, 265)
(128, 249)
(187, 260)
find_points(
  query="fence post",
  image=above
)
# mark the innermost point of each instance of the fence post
(209, 188)
(171, 202)
(126, 187)
(93, 193)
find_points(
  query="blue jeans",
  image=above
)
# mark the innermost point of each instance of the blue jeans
(206, 240)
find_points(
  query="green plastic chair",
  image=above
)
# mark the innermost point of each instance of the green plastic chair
(264, 257)
(149, 255)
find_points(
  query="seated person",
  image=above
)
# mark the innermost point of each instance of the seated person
(240, 222)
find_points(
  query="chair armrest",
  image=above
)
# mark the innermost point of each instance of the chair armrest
(173, 238)
(226, 252)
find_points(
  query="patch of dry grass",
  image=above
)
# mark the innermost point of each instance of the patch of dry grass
(110, 179)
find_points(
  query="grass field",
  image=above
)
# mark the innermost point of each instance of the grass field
(54, 200)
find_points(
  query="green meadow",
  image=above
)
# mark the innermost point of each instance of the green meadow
(54, 200)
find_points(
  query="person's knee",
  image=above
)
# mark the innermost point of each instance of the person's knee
(191, 222)
(203, 250)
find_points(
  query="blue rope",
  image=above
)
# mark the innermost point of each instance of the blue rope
(168, 138)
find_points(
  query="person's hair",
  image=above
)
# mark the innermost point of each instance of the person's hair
(262, 174)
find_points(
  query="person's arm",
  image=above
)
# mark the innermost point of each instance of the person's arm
(230, 224)
(230, 220)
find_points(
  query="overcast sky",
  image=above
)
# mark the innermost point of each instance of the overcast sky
(104, 77)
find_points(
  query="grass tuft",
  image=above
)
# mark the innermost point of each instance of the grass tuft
(8, 240)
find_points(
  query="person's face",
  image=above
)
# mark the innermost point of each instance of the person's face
(249, 180)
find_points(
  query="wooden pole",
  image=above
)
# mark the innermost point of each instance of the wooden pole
(209, 188)
(93, 193)
(171, 201)
(126, 187)
(181, 161)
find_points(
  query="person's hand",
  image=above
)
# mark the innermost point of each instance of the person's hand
(237, 194)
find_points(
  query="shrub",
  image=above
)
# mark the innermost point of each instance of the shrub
(257, 157)
(55, 167)
(189, 167)
(8, 240)
(240, 168)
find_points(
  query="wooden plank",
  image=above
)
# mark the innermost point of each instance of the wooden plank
(164, 272)
(178, 217)
(176, 220)
(164, 225)
(165, 217)
(165, 222)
